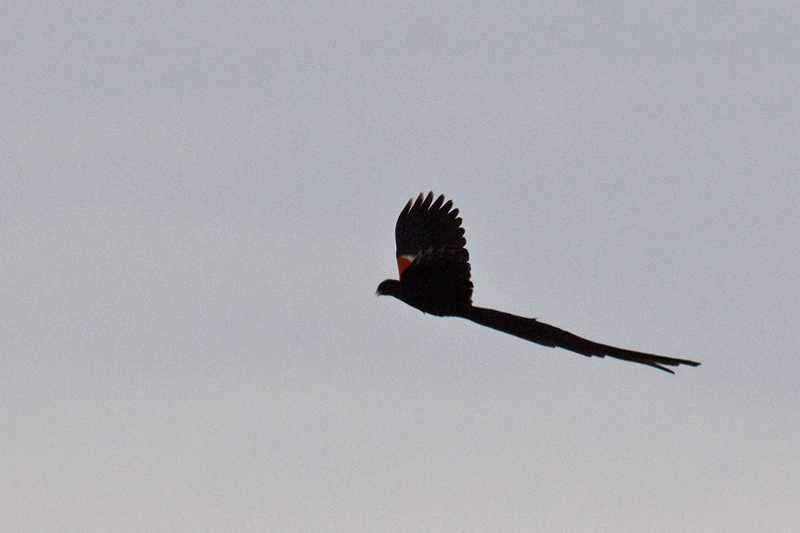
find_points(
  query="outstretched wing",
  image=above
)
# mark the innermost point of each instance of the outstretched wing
(431, 255)
(424, 225)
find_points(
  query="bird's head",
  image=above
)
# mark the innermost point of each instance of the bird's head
(389, 287)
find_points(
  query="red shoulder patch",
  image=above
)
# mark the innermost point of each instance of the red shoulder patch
(403, 262)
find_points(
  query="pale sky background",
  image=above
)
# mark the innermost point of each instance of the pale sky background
(198, 202)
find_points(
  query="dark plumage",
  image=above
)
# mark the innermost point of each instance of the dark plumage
(435, 278)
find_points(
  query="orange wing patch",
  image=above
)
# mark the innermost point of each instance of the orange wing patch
(403, 261)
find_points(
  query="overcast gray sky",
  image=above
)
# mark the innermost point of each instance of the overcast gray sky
(198, 199)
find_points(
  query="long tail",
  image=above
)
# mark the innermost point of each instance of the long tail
(532, 330)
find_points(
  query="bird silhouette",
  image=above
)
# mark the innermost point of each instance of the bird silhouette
(435, 278)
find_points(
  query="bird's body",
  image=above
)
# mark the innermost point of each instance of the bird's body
(433, 263)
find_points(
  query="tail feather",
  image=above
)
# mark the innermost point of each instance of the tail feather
(532, 330)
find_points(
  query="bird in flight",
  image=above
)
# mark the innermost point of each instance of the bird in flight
(435, 278)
